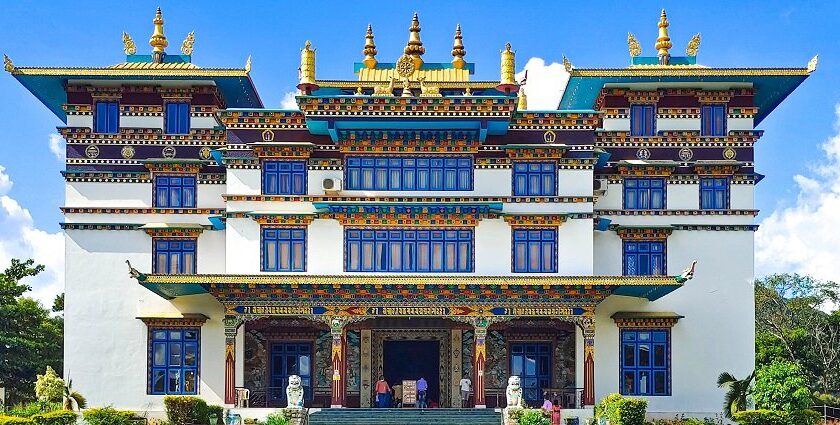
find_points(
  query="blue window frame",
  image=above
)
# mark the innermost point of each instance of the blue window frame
(714, 193)
(534, 179)
(175, 191)
(409, 173)
(535, 250)
(532, 363)
(644, 194)
(642, 120)
(173, 360)
(713, 118)
(645, 362)
(287, 359)
(107, 117)
(284, 249)
(644, 258)
(284, 177)
(178, 118)
(408, 250)
(174, 256)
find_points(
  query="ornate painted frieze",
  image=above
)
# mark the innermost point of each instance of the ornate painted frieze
(677, 212)
(645, 168)
(267, 120)
(552, 120)
(144, 136)
(405, 143)
(282, 151)
(100, 226)
(677, 113)
(717, 168)
(408, 106)
(146, 210)
(677, 138)
(302, 219)
(409, 199)
(174, 230)
(174, 166)
(642, 232)
(175, 320)
(717, 227)
(630, 319)
(538, 220)
(409, 215)
(535, 151)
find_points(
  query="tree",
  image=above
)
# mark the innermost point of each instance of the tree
(30, 337)
(781, 386)
(49, 387)
(737, 392)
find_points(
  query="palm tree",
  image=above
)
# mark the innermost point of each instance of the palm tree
(738, 390)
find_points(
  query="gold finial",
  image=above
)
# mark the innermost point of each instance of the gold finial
(188, 44)
(566, 64)
(128, 44)
(307, 67)
(158, 40)
(415, 48)
(693, 45)
(508, 66)
(7, 64)
(370, 49)
(812, 64)
(633, 45)
(468, 91)
(522, 100)
(248, 65)
(458, 49)
(663, 42)
(359, 91)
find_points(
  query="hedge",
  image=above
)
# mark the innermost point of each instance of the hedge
(15, 420)
(622, 411)
(108, 416)
(57, 417)
(186, 410)
(777, 417)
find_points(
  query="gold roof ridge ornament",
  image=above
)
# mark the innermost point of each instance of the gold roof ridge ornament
(7, 64)
(370, 49)
(663, 42)
(458, 51)
(812, 64)
(567, 65)
(522, 100)
(633, 45)
(307, 69)
(693, 45)
(128, 44)
(507, 80)
(158, 39)
(415, 48)
(248, 65)
(188, 44)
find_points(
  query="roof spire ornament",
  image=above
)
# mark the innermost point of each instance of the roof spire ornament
(188, 44)
(307, 69)
(415, 48)
(128, 44)
(458, 51)
(633, 45)
(522, 100)
(370, 49)
(158, 40)
(9, 66)
(663, 42)
(693, 45)
(507, 81)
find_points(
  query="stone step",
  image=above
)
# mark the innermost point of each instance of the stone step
(405, 417)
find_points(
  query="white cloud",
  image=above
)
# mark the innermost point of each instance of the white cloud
(805, 237)
(289, 101)
(57, 146)
(545, 83)
(19, 238)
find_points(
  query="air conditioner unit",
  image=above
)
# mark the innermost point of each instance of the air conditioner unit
(331, 185)
(599, 187)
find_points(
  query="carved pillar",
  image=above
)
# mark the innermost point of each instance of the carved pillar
(480, 357)
(339, 362)
(587, 326)
(232, 324)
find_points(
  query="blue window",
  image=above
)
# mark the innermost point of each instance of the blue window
(409, 173)
(174, 256)
(107, 117)
(178, 118)
(175, 191)
(713, 118)
(287, 359)
(284, 177)
(173, 360)
(643, 120)
(284, 249)
(408, 250)
(644, 194)
(531, 362)
(644, 258)
(535, 250)
(534, 179)
(714, 193)
(645, 362)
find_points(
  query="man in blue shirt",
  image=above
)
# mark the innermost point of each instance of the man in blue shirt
(422, 387)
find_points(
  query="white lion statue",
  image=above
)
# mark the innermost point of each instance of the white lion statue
(294, 393)
(514, 392)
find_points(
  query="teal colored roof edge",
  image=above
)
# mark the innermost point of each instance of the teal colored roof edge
(469, 66)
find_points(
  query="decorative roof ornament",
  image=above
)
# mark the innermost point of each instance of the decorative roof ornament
(458, 51)
(415, 48)
(128, 44)
(188, 44)
(307, 69)
(693, 45)
(522, 100)
(370, 49)
(566, 64)
(248, 64)
(7, 64)
(633, 45)
(663, 42)
(507, 80)
(812, 64)
(158, 40)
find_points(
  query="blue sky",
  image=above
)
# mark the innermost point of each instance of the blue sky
(591, 34)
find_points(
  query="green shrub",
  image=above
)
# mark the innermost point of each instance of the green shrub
(57, 417)
(276, 418)
(186, 410)
(622, 411)
(29, 409)
(218, 412)
(49, 386)
(533, 417)
(804, 417)
(826, 399)
(777, 417)
(15, 420)
(108, 416)
(781, 385)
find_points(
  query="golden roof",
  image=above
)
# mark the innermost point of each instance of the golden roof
(153, 65)
(430, 75)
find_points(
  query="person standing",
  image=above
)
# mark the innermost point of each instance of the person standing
(556, 413)
(466, 386)
(383, 393)
(398, 394)
(422, 387)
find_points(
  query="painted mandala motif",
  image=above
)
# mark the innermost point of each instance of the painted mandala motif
(92, 151)
(204, 153)
(729, 153)
(686, 154)
(405, 66)
(169, 152)
(127, 152)
(643, 153)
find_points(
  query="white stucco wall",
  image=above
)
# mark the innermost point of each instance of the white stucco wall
(101, 194)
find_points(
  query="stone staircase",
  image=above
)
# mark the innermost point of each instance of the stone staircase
(405, 417)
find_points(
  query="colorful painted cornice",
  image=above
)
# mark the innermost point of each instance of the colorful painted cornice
(173, 319)
(419, 108)
(410, 199)
(142, 210)
(646, 319)
(535, 220)
(263, 119)
(676, 212)
(642, 232)
(409, 215)
(140, 136)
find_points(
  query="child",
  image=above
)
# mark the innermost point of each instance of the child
(556, 413)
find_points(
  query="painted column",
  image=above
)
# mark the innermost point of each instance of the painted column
(366, 384)
(232, 324)
(480, 357)
(339, 362)
(587, 326)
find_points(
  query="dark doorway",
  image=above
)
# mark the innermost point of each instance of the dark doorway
(289, 359)
(412, 360)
